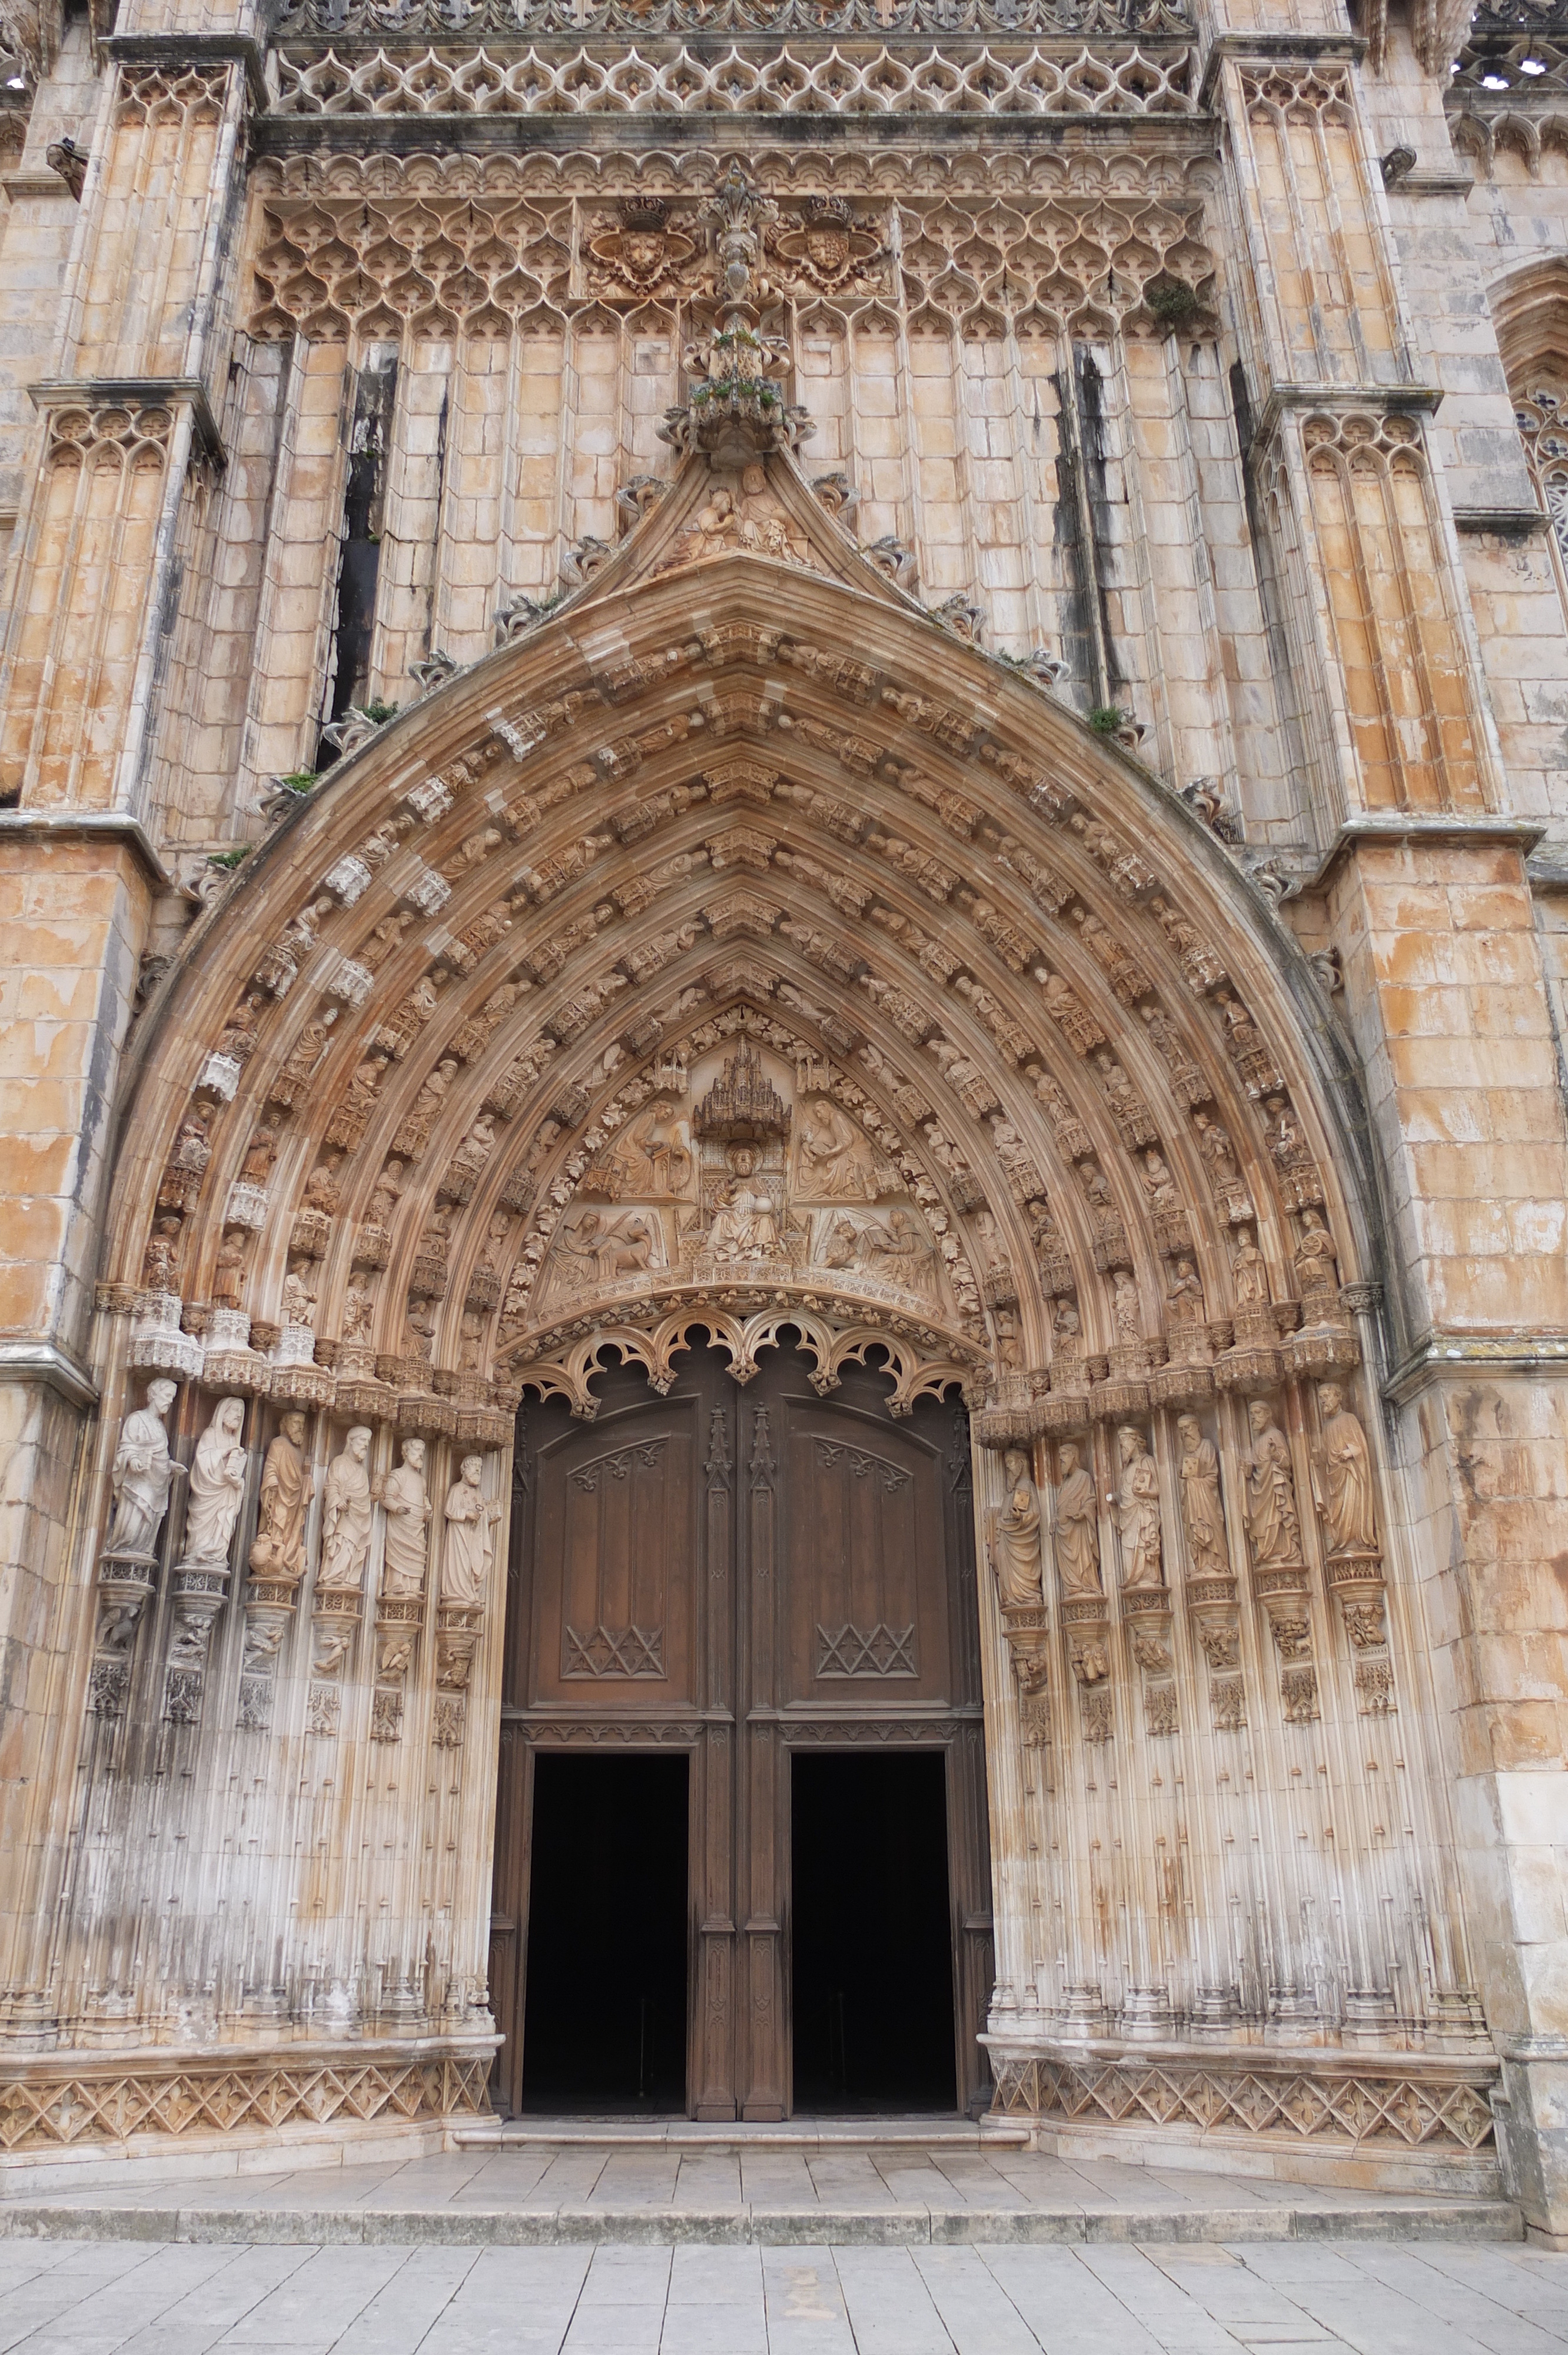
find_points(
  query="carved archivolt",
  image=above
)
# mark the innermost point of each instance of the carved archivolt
(440, 1020)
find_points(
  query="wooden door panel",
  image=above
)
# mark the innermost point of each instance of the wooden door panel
(718, 1559)
(863, 1551)
(617, 1551)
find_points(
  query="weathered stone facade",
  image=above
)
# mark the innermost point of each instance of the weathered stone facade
(993, 576)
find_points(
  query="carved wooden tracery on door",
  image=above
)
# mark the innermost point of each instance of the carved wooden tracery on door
(737, 1573)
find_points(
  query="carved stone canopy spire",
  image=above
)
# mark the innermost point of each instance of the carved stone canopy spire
(742, 1106)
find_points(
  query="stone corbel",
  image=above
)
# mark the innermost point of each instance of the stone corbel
(200, 1591)
(1087, 1625)
(1216, 1625)
(399, 1622)
(1027, 1627)
(1147, 1611)
(333, 1623)
(459, 1626)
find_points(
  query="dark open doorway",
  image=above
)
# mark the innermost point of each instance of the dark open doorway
(872, 1969)
(605, 2023)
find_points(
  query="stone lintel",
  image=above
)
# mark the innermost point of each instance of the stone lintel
(135, 391)
(33, 182)
(1385, 399)
(185, 49)
(1504, 522)
(25, 1363)
(1437, 826)
(1439, 1356)
(89, 826)
(1277, 48)
(288, 135)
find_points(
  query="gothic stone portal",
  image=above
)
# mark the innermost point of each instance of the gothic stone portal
(739, 1574)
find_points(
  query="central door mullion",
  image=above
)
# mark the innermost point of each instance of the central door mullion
(713, 2043)
(764, 2081)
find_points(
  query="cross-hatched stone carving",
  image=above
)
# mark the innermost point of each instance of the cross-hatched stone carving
(1368, 2106)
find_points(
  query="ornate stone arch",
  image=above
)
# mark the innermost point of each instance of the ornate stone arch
(664, 803)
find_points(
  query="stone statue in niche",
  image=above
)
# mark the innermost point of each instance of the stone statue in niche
(402, 1498)
(1077, 1527)
(1344, 1477)
(1138, 1513)
(744, 1225)
(1273, 1522)
(141, 1476)
(345, 1517)
(1203, 1514)
(278, 1549)
(1015, 1534)
(217, 1486)
(833, 1163)
(470, 1547)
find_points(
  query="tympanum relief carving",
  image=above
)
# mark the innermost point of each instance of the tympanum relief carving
(745, 1172)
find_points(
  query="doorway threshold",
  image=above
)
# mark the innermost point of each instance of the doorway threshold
(859, 2133)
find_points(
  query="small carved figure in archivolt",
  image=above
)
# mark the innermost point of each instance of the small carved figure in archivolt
(470, 1547)
(345, 1517)
(402, 1498)
(141, 1476)
(1249, 1272)
(1077, 1527)
(218, 1484)
(278, 1549)
(1137, 1512)
(1273, 1521)
(1015, 1534)
(1316, 1261)
(1203, 1514)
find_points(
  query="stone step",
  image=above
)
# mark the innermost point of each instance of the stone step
(702, 2134)
(495, 2221)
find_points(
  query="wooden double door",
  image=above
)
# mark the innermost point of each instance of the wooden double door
(737, 1577)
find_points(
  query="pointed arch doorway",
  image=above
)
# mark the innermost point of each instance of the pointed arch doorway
(742, 1866)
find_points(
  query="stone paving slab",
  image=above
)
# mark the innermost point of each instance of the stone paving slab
(659, 2195)
(1321, 2297)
